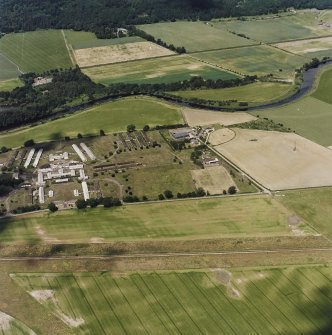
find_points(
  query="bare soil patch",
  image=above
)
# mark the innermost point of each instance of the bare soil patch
(279, 161)
(306, 46)
(197, 117)
(119, 53)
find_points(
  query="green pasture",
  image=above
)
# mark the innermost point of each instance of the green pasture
(308, 117)
(188, 219)
(324, 88)
(300, 26)
(111, 117)
(264, 301)
(9, 85)
(259, 60)
(36, 51)
(259, 92)
(314, 206)
(83, 39)
(12, 326)
(161, 70)
(195, 36)
(8, 70)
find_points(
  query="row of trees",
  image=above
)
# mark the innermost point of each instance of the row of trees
(104, 16)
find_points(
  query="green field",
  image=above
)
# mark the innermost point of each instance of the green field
(309, 117)
(267, 301)
(8, 70)
(111, 117)
(261, 60)
(161, 70)
(314, 206)
(300, 26)
(9, 85)
(195, 36)
(323, 91)
(259, 92)
(83, 39)
(11, 326)
(36, 51)
(216, 218)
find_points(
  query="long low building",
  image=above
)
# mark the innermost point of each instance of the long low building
(85, 190)
(29, 159)
(37, 159)
(41, 195)
(79, 153)
(88, 151)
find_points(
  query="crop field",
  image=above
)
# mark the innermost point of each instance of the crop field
(259, 92)
(309, 117)
(300, 26)
(9, 85)
(323, 91)
(111, 117)
(119, 53)
(197, 117)
(8, 70)
(161, 70)
(308, 46)
(83, 39)
(314, 205)
(221, 136)
(9, 325)
(214, 180)
(266, 301)
(253, 60)
(195, 36)
(36, 51)
(187, 219)
(279, 161)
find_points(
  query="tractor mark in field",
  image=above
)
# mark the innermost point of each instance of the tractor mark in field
(69, 48)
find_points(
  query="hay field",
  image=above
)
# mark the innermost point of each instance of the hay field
(8, 70)
(9, 85)
(36, 51)
(216, 301)
(309, 117)
(271, 159)
(119, 53)
(161, 70)
(222, 136)
(324, 88)
(84, 39)
(198, 117)
(9, 325)
(308, 46)
(260, 60)
(255, 93)
(300, 26)
(111, 117)
(186, 219)
(214, 180)
(195, 36)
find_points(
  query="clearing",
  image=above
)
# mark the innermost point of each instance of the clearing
(195, 36)
(198, 117)
(214, 180)
(256, 301)
(161, 70)
(119, 53)
(279, 161)
(113, 116)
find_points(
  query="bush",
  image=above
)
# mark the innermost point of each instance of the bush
(81, 204)
(52, 207)
(29, 143)
(168, 194)
(232, 190)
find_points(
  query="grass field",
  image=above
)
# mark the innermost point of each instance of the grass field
(83, 39)
(161, 70)
(111, 117)
(194, 36)
(309, 117)
(323, 91)
(9, 325)
(253, 60)
(300, 26)
(259, 92)
(9, 85)
(279, 161)
(314, 206)
(266, 301)
(36, 51)
(8, 70)
(192, 219)
(119, 53)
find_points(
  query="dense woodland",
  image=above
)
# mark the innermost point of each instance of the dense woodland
(103, 16)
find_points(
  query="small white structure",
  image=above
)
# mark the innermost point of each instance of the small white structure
(79, 153)
(76, 193)
(88, 151)
(85, 190)
(50, 194)
(63, 156)
(82, 175)
(39, 153)
(29, 159)
(63, 180)
(41, 195)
